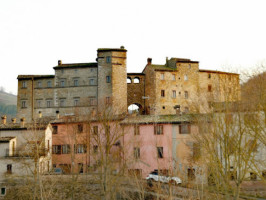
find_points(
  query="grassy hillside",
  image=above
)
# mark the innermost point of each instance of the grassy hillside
(8, 104)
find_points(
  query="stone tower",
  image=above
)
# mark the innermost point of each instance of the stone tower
(112, 76)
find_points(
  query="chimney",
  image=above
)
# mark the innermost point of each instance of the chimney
(4, 119)
(122, 47)
(57, 114)
(13, 120)
(149, 60)
(59, 62)
(22, 121)
(40, 114)
(167, 61)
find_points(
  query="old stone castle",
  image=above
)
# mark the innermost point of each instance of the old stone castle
(177, 86)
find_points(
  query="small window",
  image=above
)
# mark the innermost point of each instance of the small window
(95, 130)
(76, 101)
(162, 93)
(49, 103)
(39, 103)
(160, 152)
(173, 77)
(129, 80)
(49, 84)
(23, 104)
(39, 84)
(92, 101)
(186, 94)
(62, 102)
(9, 169)
(56, 149)
(108, 79)
(95, 149)
(62, 83)
(191, 174)
(80, 128)
(76, 82)
(3, 191)
(136, 152)
(136, 80)
(24, 84)
(185, 77)
(136, 129)
(108, 100)
(186, 110)
(173, 94)
(184, 129)
(108, 59)
(209, 76)
(253, 176)
(66, 149)
(92, 81)
(162, 76)
(163, 107)
(158, 130)
(209, 88)
(55, 129)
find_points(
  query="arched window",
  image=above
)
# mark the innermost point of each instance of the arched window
(136, 80)
(129, 80)
(134, 108)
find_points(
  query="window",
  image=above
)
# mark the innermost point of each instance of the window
(24, 84)
(209, 75)
(158, 129)
(76, 82)
(136, 80)
(253, 176)
(186, 110)
(80, 148)
(173, 93)
(108, 59)
(129, 80)
(108, 100)
(66, 149)
(49, 103)
(160, 152)
(136, 129)
(186, 94)
(162, 76)
(3, 191)
(62, 102)
(80, 128)
(23, 104)
(39, 84)
(57, 149)
(95, 130)
(209, 88)
(136, 152)
(173, 77)
(95, 149)
(9, 169)
(76, 101)
(162, 93)
(184, 128)
(39, 103)
(191, 174)
(49, 84)
(92, 81)
(62, 83)
(196, 151)
(185, 77)
(92, 101)
(163, 107)
(108, 79)
(55, 129)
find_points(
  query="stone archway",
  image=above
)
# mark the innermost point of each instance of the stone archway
(135, 108)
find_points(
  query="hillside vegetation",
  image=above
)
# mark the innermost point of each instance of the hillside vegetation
(8, 104)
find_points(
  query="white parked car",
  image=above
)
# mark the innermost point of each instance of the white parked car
(153, 176)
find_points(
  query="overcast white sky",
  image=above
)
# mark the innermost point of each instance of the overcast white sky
(35, 34)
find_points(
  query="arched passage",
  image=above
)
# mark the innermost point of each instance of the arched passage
(135, 108)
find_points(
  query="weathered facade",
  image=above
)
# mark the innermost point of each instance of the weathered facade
(178, 86)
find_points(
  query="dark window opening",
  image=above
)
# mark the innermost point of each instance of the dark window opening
(136, 152)
(162, 93)
(160, 152)
(3, 191)
(191, 174)
(209, 88)
(9, 169)
(80, 128)
(184, 129)
(253, 176)
(136, 129)
(95, 130)
(55, 130)
(108, 79)
(158, 130)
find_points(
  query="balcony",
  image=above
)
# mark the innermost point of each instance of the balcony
(26, 153)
